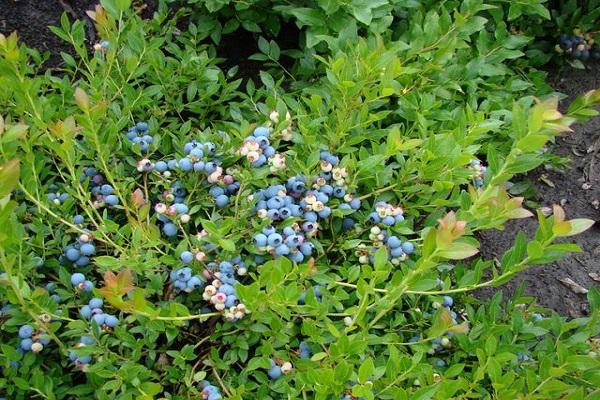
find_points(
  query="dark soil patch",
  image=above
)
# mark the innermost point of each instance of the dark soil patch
(31, 20)
(582, 147)
(236, 48)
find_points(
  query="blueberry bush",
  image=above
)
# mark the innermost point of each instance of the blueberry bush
(169, 231)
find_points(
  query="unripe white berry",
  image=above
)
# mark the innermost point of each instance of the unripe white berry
(348, 321)
(37, 347)
(286, 367)
(185, 218)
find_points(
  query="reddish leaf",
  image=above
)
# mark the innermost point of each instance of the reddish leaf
(119, 284)
(137, 197)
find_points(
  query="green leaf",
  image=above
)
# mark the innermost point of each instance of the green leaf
(459, 251)
(366, 370)
(10, 172)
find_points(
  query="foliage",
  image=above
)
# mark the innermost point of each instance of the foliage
(406, 113)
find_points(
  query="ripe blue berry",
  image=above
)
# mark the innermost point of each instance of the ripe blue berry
(77, 279)
(25, 331)
(169, 229)
(186, 257)
(111, 200)
(408, 247)
(221, 201)
(78, 219)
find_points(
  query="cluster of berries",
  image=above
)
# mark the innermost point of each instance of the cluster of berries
(81, 361)
(221, 292)
(138, 135)
(79, 253)
(578, 46)
(258, 150)
(103, 194)
(210, 392)
(279, 368)
(183, 280)
(221, 194)
(386, 214)
(286, 133)
(397, 250)
(80, 283)
(175, 197)
(55, 196)
(32, 340)
(93, 310)
(478, 173)
(444, 342)
(291, 242)
(197, 160)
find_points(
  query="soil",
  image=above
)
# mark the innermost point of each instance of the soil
(563, 187)
(31, 18)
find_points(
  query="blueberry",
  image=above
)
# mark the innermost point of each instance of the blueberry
(99, 319)
(261, 131)
(86, 312)
(111, 200)
(169, 229)
(306, 248)
(210, 167)
(72, 254)
(408, 247)
(106, 190)
(111, 321)
(448, 301)
(397, 252)
(172, 164)
(275, 372)
(184, 274)
(95, 303)
(282, 250)
(26, 344)
(297, 257)
(195, 283)
(161, 166)
(311, 216)
(186, 257)
(25, 331)
(87, 249)
(325, 213)
(85, 359)
(77, 279)
(185, 164)
(389, 220)
(216, 191)
(82, 261)
(394, 242)
(78, 219)
(274, 239)
(181, 208)
(355, 204)
(141, 126)
(221, 201)
(260, 240)
(339, 192)
(347, 223)
(374, 218)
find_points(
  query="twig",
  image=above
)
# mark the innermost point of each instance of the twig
(221, 382)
